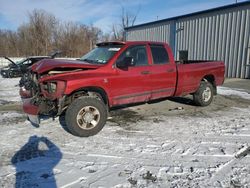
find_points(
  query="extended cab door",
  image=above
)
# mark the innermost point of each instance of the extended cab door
(162, 72)
(130, 84)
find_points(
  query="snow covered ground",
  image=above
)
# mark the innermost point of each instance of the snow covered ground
(151, 145)
(236, 92)
(9, 90)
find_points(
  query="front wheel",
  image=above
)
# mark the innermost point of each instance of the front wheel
(86, 116)
(204, 95)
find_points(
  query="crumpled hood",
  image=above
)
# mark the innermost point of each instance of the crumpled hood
(52, 64)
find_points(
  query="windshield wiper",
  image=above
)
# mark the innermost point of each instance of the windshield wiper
(91, 61)
(88, 60)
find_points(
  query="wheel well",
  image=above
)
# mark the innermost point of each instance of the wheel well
(91, 91)
(210, 79)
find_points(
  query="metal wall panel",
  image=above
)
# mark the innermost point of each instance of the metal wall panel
(157, 32)
(223, 34)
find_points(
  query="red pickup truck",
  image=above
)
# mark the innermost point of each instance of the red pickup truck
(113, 74)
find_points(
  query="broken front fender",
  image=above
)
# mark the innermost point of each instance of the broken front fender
(54, 92)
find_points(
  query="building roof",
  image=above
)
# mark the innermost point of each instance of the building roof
(192, 14)
(127, 42)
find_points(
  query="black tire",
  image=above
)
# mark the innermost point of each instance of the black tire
(96, 110)
(10, 74)
(4, 75)
(204, 95)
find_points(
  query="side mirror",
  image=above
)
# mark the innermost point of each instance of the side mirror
(125, 62)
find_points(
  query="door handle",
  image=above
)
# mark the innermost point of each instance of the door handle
(145, 72)
(170, 70)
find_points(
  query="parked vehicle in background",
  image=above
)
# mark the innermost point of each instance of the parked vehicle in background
(114, 74)
(18, 68)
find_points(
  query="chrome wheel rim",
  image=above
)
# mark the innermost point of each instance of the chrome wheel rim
(88, 117)
(206, 95)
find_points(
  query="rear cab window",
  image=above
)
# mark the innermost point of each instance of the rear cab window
(159, 54)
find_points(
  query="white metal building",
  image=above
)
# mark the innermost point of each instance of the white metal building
(221, 33)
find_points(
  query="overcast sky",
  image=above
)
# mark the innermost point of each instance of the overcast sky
(101, 13)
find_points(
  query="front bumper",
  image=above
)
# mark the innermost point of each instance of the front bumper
(30, 108)
(32, 111)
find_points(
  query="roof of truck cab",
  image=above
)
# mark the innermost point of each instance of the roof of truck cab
(110, 43)
(127, 42)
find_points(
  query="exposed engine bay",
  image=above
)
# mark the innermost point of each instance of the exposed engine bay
(45, 94)
(29, 82)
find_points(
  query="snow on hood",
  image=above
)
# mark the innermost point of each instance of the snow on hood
(51, 64)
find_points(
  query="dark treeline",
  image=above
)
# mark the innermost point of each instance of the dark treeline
(44, 33)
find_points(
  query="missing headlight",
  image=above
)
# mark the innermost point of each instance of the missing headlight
(50, 87)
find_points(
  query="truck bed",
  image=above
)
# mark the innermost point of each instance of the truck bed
(190, 73)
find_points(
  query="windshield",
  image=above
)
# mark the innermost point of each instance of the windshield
(101, 54)
(21, 61)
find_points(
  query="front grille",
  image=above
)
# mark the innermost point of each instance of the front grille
(30, 82)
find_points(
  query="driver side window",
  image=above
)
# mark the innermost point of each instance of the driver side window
(138, 54)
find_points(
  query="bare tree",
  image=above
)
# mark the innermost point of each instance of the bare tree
(44, 33)
(41, 26)
(75, 39)
(127, 19)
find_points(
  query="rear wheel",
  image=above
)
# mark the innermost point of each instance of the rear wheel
(86, 116)
(204, 95)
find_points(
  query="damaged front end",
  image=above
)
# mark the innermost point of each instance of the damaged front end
(41, 98)
(42, 87)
